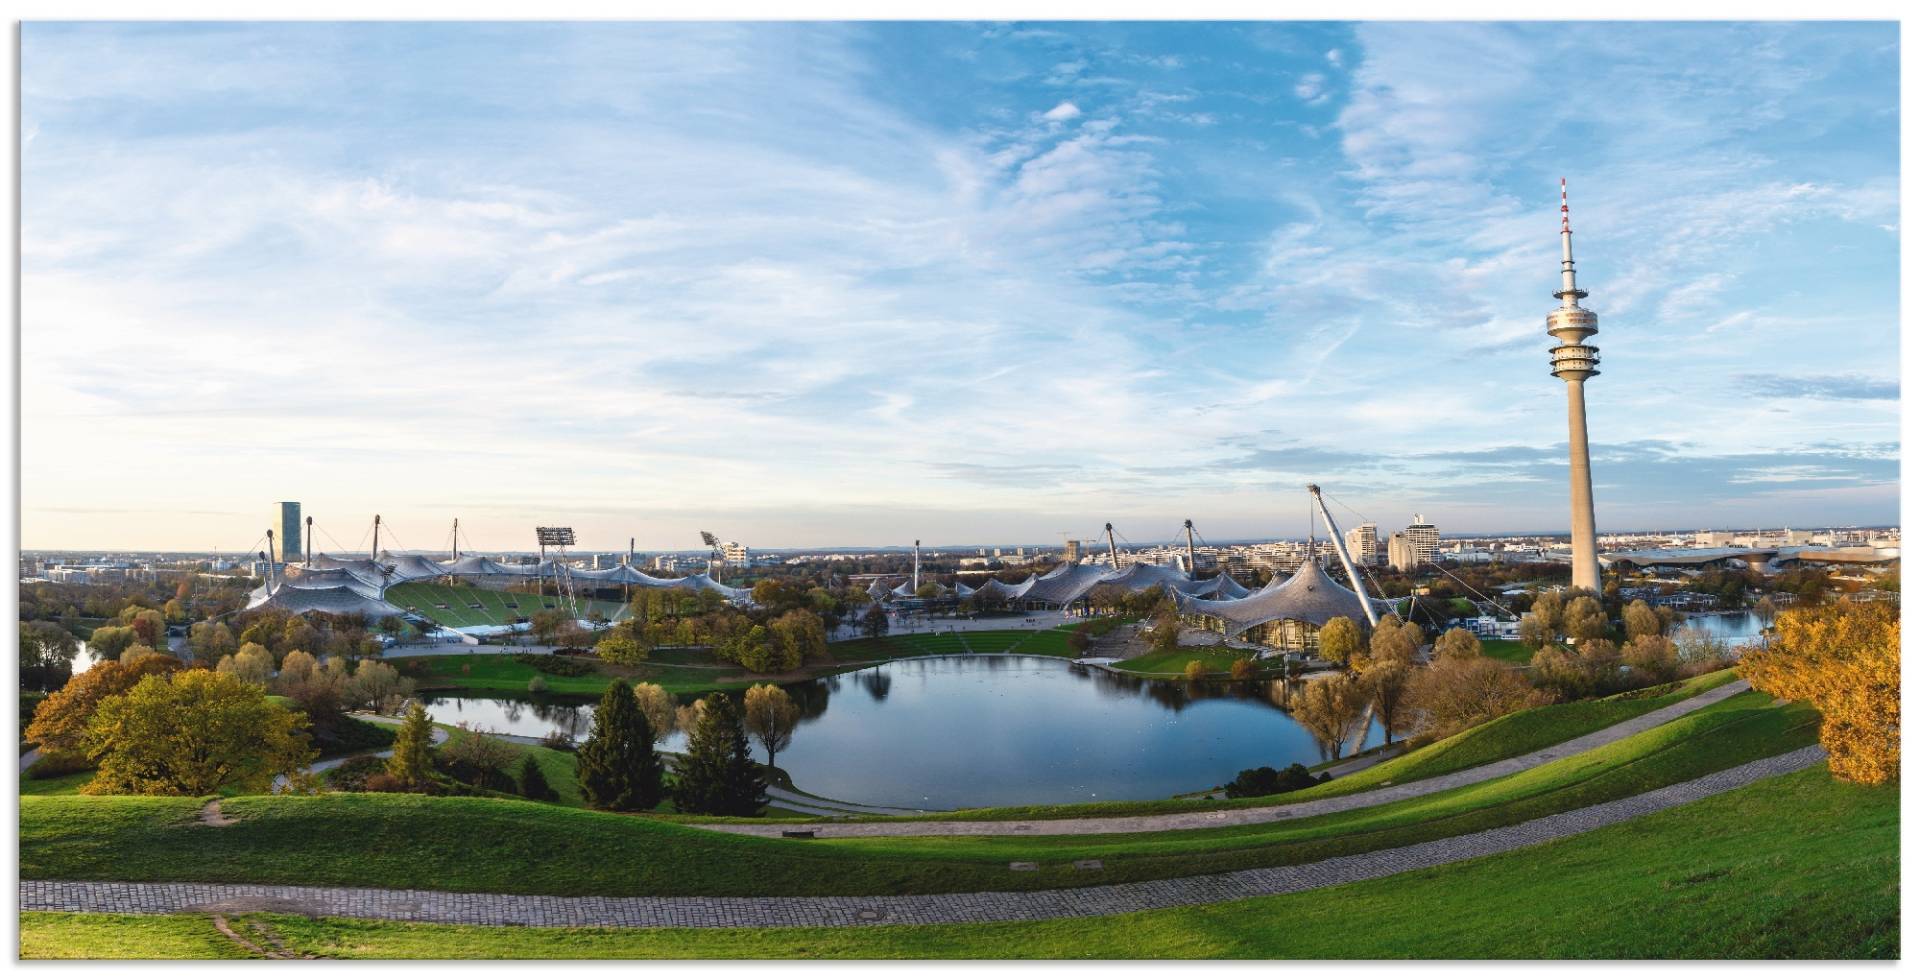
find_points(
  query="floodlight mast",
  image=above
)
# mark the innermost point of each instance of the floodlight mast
(1333, 534)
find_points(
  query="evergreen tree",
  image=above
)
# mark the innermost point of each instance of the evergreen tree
(533, 782)
(618, 767)
(717, 776)
(413, 748)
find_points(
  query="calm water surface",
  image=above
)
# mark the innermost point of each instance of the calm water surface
(993, 730)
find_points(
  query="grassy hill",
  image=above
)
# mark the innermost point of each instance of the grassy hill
(520, 847)
(1734, 876)
(457, 606)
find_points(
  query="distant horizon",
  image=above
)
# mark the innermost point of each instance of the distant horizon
(809, 548)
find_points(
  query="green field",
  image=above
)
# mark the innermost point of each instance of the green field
(479, 844)
(1734, 876)
(1507, 650)
(454, 606)
(1173, 662)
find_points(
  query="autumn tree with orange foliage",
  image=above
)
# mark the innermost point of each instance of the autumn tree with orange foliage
(1845, 659)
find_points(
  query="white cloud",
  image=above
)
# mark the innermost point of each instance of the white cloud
(1062, 112)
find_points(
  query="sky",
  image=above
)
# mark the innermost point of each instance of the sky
(856, 284)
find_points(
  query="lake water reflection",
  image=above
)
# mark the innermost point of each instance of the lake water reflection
(993, 730)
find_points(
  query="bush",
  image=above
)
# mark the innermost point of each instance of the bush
(351, 734)
(1196, 669)
(1243, 669)
(352, 775)
(1255, 782)
(383, 782)
(555, 741)
(53, 764)
(478, 759)
(537, 686)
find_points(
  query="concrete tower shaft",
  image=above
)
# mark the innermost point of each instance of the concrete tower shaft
(1574, 360)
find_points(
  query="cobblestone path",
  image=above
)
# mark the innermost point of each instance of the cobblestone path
(1209, 819)
(769, 912)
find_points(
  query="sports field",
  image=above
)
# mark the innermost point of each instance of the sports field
(457, 606)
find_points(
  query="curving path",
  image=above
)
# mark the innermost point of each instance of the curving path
(1208, 819)
(927, 909)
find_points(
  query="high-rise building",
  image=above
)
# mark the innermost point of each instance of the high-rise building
(736, 554)
(1363, 543)
(1423, 539)
(1400, 553)
(290, 532)
(1574, 360)
(1073, 551)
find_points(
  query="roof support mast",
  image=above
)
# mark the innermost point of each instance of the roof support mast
(309, 542)
(1333, 536)
(1193, 570)
(1112, 551)
(916, 567)
(376, 538)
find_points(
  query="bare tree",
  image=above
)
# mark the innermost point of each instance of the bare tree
(771, 718)
(1331, 711)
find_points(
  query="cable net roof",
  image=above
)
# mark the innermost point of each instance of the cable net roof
(1308, 595)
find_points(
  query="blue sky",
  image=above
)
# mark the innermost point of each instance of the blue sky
(829, 283)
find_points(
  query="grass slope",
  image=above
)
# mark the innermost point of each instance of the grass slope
(1735, 876)
(468, 844)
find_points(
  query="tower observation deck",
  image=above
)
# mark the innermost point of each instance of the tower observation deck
(1573, 361)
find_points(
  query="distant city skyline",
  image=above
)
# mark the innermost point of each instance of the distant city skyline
(853, 285)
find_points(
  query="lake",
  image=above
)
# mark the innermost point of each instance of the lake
(950, 732)
(1731, 626)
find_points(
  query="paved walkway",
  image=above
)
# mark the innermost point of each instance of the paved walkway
(1209, 819)
(771, 912)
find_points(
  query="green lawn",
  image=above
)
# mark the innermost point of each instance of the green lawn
(1173, 662)
(473, 844)
(495, 607)
(1734, 876)
(1507, 650)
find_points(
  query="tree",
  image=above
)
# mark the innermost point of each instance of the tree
(149, 627)
(1243, 669)
(1455, 694)
(1331, 710)
(1456, 643)
(479, 759)
(1652, 656)
(798, 636)
(412, 759)
(1165, 632)
(1699, 650)
(297, 668)
(618, 768)
(1535, 633)
(252, 663)
(1393, 641)
(1078, 641)
(533, 782)
(46, 655)
(1548, 607)
(1196, 669)
(1641, 620)
(1255, 782)
(546, 624)
(771, 717)
(658, 705)
(60, 722)
(1845, 659)
(210, 641)
(873, 621)
(1584, 619)
(754, 650)
(192, 732)
(1339, 640)
(378, 686)
(716, 776)
(1388, 686)
(619, 646)
(109, 641)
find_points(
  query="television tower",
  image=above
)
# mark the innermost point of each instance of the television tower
(1574, 360)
